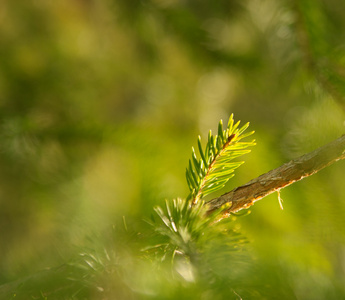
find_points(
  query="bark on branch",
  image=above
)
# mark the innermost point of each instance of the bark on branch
(274, 180)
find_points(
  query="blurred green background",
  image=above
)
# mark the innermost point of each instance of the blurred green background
(101, 101)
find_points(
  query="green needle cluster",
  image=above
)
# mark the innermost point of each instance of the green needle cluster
(215, 166)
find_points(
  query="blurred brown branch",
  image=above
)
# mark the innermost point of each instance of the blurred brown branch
(330, 73)
(274, 180)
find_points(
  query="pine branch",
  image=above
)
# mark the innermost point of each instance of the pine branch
(215, 166)
(308, 164)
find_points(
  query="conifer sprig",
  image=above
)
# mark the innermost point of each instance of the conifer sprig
(215, 167)
(183, 227)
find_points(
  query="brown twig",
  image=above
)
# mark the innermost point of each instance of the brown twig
(274, 180)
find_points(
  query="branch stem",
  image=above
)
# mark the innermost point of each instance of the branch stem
(308, 164)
